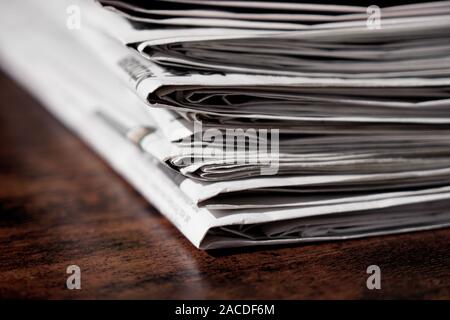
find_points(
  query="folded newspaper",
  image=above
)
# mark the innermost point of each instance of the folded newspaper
(251, 123)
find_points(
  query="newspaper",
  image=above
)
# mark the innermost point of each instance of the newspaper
(257, 15)
(240, 97)
(90, 96)
(380, 158)
(420, 47)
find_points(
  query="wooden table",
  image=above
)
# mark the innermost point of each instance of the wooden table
(60, 204)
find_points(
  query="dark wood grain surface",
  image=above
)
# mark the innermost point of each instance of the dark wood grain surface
(60, 204)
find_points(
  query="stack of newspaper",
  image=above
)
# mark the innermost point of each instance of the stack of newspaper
(249, 123)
